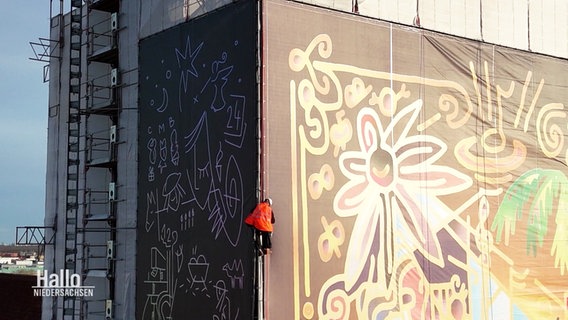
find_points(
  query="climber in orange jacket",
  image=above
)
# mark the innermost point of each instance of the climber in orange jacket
(262, 219)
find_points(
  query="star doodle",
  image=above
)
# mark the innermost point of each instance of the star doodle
(186, 63)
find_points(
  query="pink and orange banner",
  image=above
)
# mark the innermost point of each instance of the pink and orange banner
(416, 175)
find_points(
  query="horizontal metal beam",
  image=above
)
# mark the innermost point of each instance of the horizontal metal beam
(33, 235)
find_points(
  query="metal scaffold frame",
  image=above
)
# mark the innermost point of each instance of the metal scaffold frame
(83, 54)
(83, 235)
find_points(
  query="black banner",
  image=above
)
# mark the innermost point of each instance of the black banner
(197, 168)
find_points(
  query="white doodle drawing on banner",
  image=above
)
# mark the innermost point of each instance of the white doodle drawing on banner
(235, 272)
(191, 174)
(159, 302)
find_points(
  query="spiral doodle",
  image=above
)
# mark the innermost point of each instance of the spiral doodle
(299, 59)
(549, 133)
(450, 104)
(337, 305)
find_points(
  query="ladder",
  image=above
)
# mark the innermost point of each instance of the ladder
(73, 149)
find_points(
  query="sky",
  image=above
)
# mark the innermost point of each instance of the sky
(23, 117)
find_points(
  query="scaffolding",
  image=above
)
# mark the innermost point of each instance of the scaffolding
(84, 52)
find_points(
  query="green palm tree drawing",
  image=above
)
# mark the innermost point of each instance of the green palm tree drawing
(537, 195)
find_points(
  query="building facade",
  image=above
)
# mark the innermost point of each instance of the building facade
(414, 150)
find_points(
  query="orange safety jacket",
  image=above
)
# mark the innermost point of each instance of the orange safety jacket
(261, 217)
